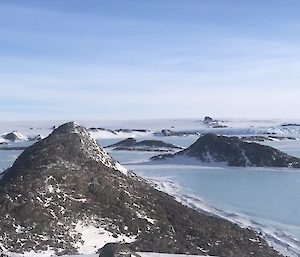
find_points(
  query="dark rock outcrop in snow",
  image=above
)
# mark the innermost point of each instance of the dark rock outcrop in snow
(130, 144)
(208, 119)
(117, 250)
(291, 125)
(169, 133)
(15, 136)
(213, 123)
(36, 138)
(101, 129)
(66, 181)
(116, 131)
(211, 148)
(132, 130)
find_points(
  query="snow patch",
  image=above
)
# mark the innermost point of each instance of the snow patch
(94, 238)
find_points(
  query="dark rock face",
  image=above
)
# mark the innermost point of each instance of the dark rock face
(117, 250)
(235, 152)
(130, 144)
(66, 179)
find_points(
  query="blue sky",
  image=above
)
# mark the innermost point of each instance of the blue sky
(133, 59)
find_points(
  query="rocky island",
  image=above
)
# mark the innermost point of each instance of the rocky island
(131, 144)
(233, 151)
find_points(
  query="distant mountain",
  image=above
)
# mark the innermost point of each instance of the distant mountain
(124, 143)
(130, 144)
(101, 129)
(213, 123)
(116, 131)
(266, 138)
(15, 136)
(66, 184)
(211, 148)
(132, 130)
(169, 133)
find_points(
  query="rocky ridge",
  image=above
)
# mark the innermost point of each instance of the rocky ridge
(66, 180)
(170, 133)
(130, 144)
(212, 148)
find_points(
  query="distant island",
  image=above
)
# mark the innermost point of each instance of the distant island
(233, 151)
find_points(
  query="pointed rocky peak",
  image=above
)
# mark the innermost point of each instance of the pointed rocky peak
(69, 146)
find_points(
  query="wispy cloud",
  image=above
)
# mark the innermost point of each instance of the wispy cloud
(103, 60)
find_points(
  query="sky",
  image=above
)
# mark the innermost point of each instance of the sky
(133, 59)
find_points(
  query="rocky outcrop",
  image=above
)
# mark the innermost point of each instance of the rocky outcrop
(36, 138)
(213, 123)
(101, 129)
(169, 133)
(132, 130)
(124, 143)
(208, 119)
(266, 138)
(233, 151)
(14, 136)
(130, 144)
(117, 250)
(66, 183)
(116, 131)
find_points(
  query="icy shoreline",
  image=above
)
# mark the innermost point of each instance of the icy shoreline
(280, 240)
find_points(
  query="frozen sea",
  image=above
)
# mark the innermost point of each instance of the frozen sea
(265, 199)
